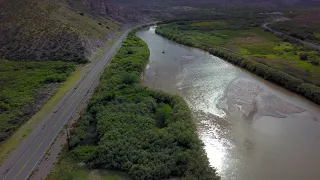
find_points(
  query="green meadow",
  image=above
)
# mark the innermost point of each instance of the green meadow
(23, 87)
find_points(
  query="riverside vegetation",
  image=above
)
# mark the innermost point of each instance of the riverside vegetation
(244, 44)
(127, 127)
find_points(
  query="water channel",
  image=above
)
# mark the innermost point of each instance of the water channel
(252, 129)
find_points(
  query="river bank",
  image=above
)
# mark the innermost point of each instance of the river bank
(252, 129)
(264, 70)
(145, 133)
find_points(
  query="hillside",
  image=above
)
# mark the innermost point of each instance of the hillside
(207, 3)
(50, 30)
(43, 31)
(104, 8)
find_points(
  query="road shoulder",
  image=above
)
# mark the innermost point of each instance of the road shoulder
(46, 165)
(13, 147)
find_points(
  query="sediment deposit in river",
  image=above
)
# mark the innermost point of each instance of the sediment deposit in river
(252, 129)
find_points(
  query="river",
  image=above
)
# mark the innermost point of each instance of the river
(252, 129)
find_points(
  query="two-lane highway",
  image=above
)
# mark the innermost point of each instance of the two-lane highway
(34, 153)
(278, 33)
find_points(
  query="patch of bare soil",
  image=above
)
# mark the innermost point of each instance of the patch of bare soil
(307, 19)
(271, 105)
(43, 96)
(248, 40)
(243, 94)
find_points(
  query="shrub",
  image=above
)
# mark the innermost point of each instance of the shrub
(162, 114)
(304, 56)
(55, 79)
(129, 78)
(130, 51)
(4, 107)
(315, 62)
(310, 91)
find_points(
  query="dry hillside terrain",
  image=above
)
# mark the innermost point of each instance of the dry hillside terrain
(207, 3)
(50, 30)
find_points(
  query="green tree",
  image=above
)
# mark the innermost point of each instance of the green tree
(162, 114)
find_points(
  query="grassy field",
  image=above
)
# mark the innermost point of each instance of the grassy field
(17, 137)
(129, 128)
(252, 43)
(24, 86)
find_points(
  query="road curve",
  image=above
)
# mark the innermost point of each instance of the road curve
(278, 33)
(36, 150)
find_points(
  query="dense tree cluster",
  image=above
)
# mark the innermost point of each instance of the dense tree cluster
(291, 83)
(127, 127)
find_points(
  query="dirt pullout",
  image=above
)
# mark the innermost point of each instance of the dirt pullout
(255, 101)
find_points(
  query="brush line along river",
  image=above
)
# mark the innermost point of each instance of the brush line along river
(252, 129)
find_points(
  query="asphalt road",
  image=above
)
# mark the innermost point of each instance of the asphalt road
(34, 153)
(305, 43)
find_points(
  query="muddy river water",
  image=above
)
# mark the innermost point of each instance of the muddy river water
(252, 129)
